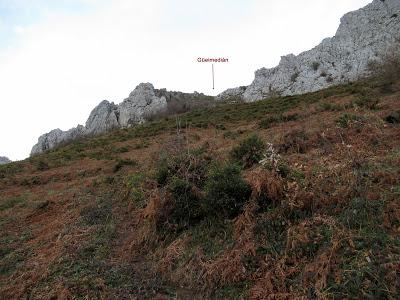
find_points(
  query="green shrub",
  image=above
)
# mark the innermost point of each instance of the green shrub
(230, 135)
(329, 79)
(249, 151)
(96, 214)
(141, 145)
(134, 184)
(393, 118)
(31, 181)
(191, 166)
(220, 127)
(346, 119)
(361, 214)
(295, 141)
(368, 98)
(162, 171)
(290, 117)
(12, 202)
(42, 165)
(294, 76)
(124, 162)
(122, 150)
(387, 71)
(268, 121)
(185, 207)
(226, 191)
(315, 65)
(327, 106)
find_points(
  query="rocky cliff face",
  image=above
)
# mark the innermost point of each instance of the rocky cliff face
(104, 117)
(363, 36)
(4, 160)
(142, 103)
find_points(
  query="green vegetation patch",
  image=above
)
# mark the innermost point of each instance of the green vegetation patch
(249, 151)
(13, 202)
(226, 191)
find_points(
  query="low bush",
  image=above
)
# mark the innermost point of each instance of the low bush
(315, 65)
(220, 127)
(327, 106)
(124, 162)
(136, 189)
(122, 150)
(96, 214)
(185, 206)
(226, 191)
(191, 166)
(329, 79)
(294, 141)
(230, 135)
(270, 120)
(294, 77)
(12, 202)
(393, 118)
(42, 165)
(387, 71)
(346, 119)
(249, 151)
(367, 99)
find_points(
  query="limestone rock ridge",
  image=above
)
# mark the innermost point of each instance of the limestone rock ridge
(364, 35)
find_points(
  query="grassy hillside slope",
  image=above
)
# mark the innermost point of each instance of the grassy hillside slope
(181, 208)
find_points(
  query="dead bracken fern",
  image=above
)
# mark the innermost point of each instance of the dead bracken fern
(266, 183)
(228, 268)
(172, 253)
(147, 220)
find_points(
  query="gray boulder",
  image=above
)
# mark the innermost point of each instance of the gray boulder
(231, 94)
(365, 35)
(4, 160)
(142, 102)
(57, 137)
(104, 117)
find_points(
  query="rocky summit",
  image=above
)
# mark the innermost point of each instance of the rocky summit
(4, 160)
(364, 36)
(143, 102)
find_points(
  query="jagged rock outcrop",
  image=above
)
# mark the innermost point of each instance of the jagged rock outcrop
(104, 117)
(363, 36)
(4, 160)
(57, 137)
(231, 94)
(142, 103)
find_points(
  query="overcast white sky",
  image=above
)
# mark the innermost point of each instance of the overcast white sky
(60, 58)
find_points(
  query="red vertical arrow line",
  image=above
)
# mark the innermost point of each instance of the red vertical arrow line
(213, 74)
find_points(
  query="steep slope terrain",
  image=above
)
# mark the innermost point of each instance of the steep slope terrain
(293, 197)
(364, 37)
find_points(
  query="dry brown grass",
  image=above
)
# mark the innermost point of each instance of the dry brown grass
(337, 165)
